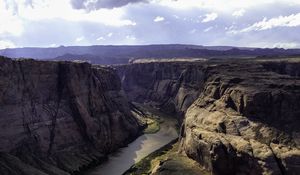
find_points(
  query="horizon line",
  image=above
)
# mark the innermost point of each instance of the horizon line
(135, 45)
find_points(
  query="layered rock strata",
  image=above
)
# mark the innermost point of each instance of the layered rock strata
(245, 121)
(60, 117)
(171, 86)
(241, 117)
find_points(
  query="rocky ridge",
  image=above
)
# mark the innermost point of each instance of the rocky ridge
(59, 118)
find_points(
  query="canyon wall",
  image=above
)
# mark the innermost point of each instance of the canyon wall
(170, 86)
(283, 67)
(240, 117)
(60, 117)
(245, 121)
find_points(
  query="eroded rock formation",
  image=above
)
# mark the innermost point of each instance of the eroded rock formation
(60, 117)
(241, 117)
(245, 121)
(238, 116)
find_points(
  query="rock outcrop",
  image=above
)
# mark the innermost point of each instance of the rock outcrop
(245, 121)
(240, 117)
(60, 117)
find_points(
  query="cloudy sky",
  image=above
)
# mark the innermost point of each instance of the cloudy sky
(51, 23)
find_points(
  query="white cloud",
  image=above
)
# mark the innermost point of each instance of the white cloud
(281, 21)
(176, 17)
(99, 4)
(230, 28)
(62, 9)
(9, 21)
(53, 45)
(208, 29)
(266, 24)
(130, 37)
(110, 34)
(6, 44)
(101, 38)
(193, 31)
(20, 23)
(239, 13)
(267, 44)
(226, 6)
(159, 19)
(210, 17)
(79, 39)
(287, 45)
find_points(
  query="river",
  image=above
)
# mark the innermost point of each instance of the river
(122, 160)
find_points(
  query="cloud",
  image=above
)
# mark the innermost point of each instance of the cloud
(79, 39)
(6, 44)
(130, 37)
(27, 22)
(193, 31)
(99, 4)
(287, 45)
(53, 45)
(227, 6)
(239, 13)
(281, 21)
(176, 17)
(110, 34)
(14, 12)
(101, 38)
(210, 17)
(10, 24)
(208, 29)
(159, 19)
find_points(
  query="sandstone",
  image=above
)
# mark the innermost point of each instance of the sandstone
(235, 114)
(60, 117)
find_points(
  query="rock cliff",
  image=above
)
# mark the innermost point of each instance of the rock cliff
(240, 117)
(245, 121)
(171, 86)
(60, 117)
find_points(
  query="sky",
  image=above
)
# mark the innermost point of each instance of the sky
(247, 23)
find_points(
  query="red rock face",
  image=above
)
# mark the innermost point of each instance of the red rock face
(59, 116)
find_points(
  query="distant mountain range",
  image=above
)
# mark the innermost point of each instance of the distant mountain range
(122, 54)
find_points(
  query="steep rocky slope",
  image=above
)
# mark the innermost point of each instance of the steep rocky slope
(245, 121)
(171, 86)
(60, 117)
(241, 117)
(283, 67)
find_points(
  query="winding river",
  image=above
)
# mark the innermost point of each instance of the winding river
(122, 160)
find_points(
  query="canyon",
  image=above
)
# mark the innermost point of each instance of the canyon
(236, 116)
